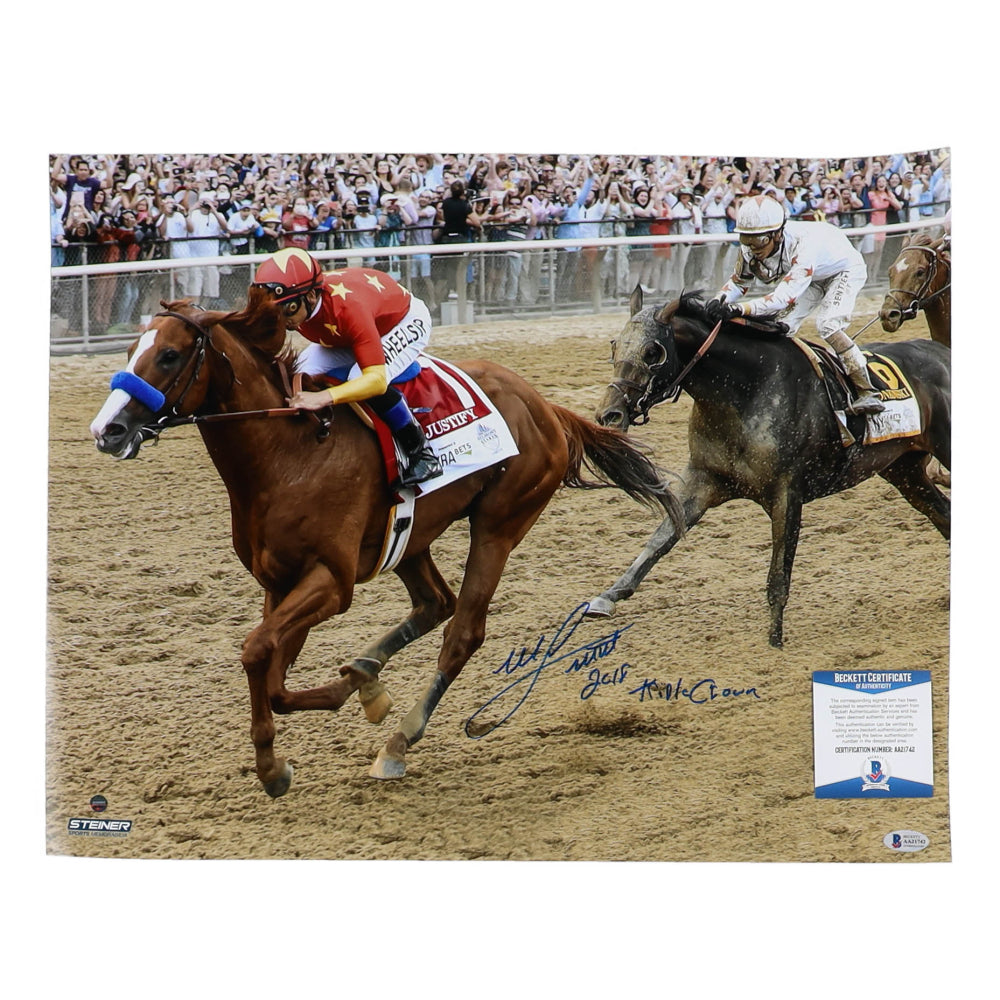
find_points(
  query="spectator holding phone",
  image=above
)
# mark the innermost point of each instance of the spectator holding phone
(269, 217)
(849, 202)
(829, 205)
(567, 216)
(686, 216)
(324, 224)
(714, 207)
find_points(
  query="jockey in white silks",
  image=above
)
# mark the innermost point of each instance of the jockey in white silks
(813, 267)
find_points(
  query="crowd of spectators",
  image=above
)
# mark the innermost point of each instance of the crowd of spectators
(123, 207)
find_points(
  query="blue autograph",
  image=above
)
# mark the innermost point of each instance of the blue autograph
(583, 656)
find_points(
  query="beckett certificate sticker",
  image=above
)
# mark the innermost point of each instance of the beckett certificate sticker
(872, 734)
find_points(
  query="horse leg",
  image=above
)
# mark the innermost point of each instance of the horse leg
(786, 520)
(909, 475)
(267, 652)
(433, 603)
(463, 635)
(938, 474)
(698, 495)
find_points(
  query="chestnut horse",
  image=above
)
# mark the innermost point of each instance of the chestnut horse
(309, 512)
(920, 278)
(763, 429)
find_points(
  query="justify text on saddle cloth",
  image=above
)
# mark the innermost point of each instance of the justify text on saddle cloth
(462, 426)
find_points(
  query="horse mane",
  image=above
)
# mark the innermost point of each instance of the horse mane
(692, 304)
(261, 322)
(940, 244)
(925, 239)
(920, 239)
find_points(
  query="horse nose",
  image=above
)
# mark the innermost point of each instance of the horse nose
(891, 318)
(613, 417)
(110, 437)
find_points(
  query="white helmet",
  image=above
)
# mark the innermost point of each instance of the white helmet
(759, 215)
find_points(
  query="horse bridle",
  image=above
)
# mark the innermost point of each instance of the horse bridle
(920, 299)
(202, 342)
(641, 389)
(173, 418)
(652, 394)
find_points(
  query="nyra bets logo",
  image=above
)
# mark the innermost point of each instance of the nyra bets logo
(905, 841)
(874, 775)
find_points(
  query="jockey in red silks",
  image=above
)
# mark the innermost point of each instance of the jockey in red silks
(366, 331)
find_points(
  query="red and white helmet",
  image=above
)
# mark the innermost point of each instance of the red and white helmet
(289, 273)
(759, 215)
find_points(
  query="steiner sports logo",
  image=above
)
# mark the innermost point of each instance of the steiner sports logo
(906, 841)
(86, 827)
(874, 774)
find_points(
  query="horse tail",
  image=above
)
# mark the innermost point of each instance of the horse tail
(618, 462)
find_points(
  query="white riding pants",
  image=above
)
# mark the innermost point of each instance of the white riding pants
(833, 301)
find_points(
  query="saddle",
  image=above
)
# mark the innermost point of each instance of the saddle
(826, 363)
(886, 379)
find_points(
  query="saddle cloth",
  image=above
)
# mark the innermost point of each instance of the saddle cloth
(462, 426)
(901, 416)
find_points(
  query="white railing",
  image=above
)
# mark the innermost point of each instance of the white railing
(460, 309)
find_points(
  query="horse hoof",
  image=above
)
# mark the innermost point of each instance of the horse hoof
(387, 767)
(376, 701)
(600, 607)
(278, 786)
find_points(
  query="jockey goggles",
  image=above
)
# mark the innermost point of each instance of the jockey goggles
(284, 293)
(758, 241)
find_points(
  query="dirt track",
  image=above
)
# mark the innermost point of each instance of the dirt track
(148, 704)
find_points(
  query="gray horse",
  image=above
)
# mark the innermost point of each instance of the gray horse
(765, 427)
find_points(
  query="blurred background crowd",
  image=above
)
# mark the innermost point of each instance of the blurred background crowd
(106, 208)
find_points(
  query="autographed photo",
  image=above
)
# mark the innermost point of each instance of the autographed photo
(503, 506)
